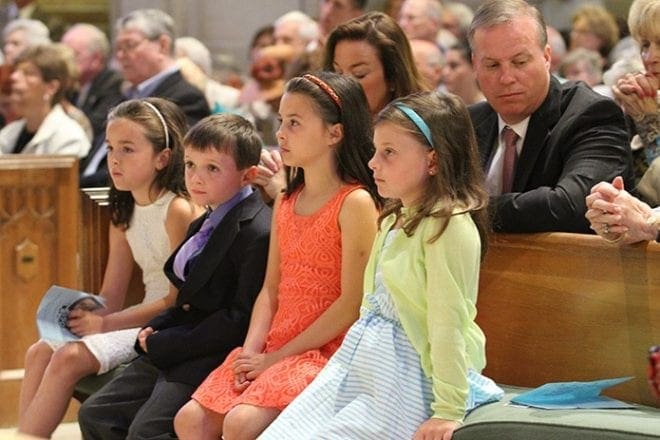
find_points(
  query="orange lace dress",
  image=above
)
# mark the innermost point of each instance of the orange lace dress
(310, 281)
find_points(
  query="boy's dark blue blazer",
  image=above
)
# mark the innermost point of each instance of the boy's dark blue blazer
(213, 306)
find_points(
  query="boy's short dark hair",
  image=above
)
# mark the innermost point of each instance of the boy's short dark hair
(227, 133)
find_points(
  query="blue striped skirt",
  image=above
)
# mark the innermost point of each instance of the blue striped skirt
(373, 387)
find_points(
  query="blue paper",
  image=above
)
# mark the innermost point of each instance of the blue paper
(571, 395)
(54, 309)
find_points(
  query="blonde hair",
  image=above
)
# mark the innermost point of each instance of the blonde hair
(644, 19)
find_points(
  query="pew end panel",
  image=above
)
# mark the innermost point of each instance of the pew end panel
(39, 216)
(570, 307)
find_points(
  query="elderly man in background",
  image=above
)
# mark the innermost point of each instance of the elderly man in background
(421, 19)
(144, 49)
(21, 33)
(430, 62)
(334, 12)
(456, 18)
(100, 86)
(543, 144)
(295, 30)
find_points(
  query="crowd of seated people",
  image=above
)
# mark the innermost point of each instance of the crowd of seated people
(557, 150)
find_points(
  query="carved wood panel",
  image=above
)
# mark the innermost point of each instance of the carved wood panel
(39, 209)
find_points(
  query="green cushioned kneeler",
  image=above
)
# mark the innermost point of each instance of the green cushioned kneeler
(500, 421)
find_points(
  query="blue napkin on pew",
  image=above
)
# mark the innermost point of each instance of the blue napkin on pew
(572, 395)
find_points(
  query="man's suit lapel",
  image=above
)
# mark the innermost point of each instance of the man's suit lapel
(98, 85)
(540, 125)
(484, 120)
(218, 244)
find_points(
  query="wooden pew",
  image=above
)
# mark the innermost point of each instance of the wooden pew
(94, 227)
(38, 247)
(565, 307)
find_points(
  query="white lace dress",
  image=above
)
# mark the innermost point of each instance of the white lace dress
(150, 245)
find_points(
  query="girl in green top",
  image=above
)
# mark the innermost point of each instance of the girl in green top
(410, 366)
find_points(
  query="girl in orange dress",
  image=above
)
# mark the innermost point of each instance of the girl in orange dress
(323, 228)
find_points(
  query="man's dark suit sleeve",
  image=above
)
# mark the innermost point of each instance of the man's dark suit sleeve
(190, 99)
(106, 94)
(222, 330)
(593, 145)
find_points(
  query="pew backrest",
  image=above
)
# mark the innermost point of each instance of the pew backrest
(570, 307)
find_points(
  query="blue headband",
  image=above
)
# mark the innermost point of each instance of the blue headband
(417, 120)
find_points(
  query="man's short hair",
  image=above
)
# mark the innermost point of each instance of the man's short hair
(495, 12)
(97, 41)
(151, 22)
(308, 29)
(35, 31)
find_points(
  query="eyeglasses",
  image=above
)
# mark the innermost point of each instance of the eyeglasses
(129, 46)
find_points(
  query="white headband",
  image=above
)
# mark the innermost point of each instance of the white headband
(162, 121)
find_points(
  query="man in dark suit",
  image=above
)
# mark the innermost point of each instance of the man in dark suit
(144, 49)
(562, 138)
(218, 283)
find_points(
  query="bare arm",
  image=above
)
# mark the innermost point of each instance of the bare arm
(270, 176)
(118, 270)
(357, 221)
(179, 215)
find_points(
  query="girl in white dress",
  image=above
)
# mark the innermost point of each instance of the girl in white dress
(410, 366)
(150, 214)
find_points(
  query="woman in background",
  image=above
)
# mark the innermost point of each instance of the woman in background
(458, 74)
(40, 77)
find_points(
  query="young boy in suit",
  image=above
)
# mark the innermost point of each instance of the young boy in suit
(218, 270)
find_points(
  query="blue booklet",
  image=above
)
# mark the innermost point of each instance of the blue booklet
(53, 312)
(571, 395)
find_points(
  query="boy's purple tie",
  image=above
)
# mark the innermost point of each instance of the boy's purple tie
(510, 158)
(192, 247)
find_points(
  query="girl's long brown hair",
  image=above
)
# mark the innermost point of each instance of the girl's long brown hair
(459, 182)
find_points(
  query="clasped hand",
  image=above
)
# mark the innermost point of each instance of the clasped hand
(616, 215)
(270, 173)
(248, 366)
(83, 322)
(636, 93)
(142, 337)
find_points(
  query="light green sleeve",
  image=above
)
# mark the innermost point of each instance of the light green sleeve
(452, 270)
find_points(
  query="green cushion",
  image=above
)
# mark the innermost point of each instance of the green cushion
(501, 421)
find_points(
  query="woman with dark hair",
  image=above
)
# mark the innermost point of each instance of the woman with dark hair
(458, 75)
(373, 49)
